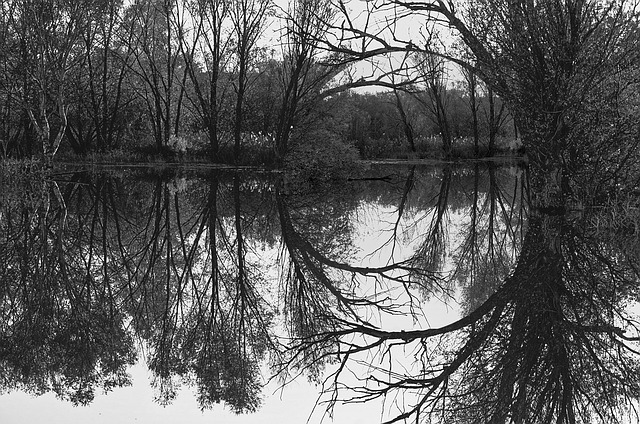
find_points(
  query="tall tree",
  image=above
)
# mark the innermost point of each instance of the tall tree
(302, 74)
(154, 26)
(52, 32)
(249, 20)
(554, 342)
(495, 118)
(100, 96)
(210, 41)
(547, 60)
(472, 90)
(10, 108)
(435, 98)
(407, 126)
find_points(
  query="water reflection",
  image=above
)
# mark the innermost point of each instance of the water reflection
(62, 327)
(213, 277)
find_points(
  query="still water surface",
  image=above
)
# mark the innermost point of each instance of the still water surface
(418, 292)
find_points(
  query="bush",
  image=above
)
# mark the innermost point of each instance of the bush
(322, 157)
(381, 148)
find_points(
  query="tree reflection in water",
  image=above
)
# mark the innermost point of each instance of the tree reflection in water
(554, 342)
(98, 268)
(61, 327)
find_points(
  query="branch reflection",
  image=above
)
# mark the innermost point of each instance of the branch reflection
(552, 340)
(212, 278)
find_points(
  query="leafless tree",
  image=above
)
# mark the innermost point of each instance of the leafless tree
(206, 52)
(547, 62)
(249, 19)
(154, 25)
(304, 71)
(53, 30)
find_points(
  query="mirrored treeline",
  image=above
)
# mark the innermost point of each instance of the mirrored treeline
(218, 276)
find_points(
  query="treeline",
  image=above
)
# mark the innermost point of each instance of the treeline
(219, 78)
(457, 120)
(97, 75)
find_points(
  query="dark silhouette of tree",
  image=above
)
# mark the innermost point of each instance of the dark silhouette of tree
(435, 98)
(194, 297)
(471, 81)
(407, 125)
(81, 264)
(492, 236)
(98, 120)
(52, 31)
(153, 25)
(10, 98)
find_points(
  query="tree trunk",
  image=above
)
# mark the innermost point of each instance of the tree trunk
(492, 122)
(408, 128)
(474, 115)
(49, 145)
(544, 140)
(237, 129)
(213, 113)
(442, 121)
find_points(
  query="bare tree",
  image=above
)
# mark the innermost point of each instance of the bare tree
(10, 97)
(154, 25)
(53, 30)
(206, 52)
(97, 120)
(472, 89)
(553, 343)
(55, 300)
(435, 99)
(547, 62)
(304, 72)
(399, 91)
(249, 20)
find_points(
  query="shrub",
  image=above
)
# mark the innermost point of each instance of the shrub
(321, 156)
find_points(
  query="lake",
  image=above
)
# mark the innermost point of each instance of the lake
(425, 292)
